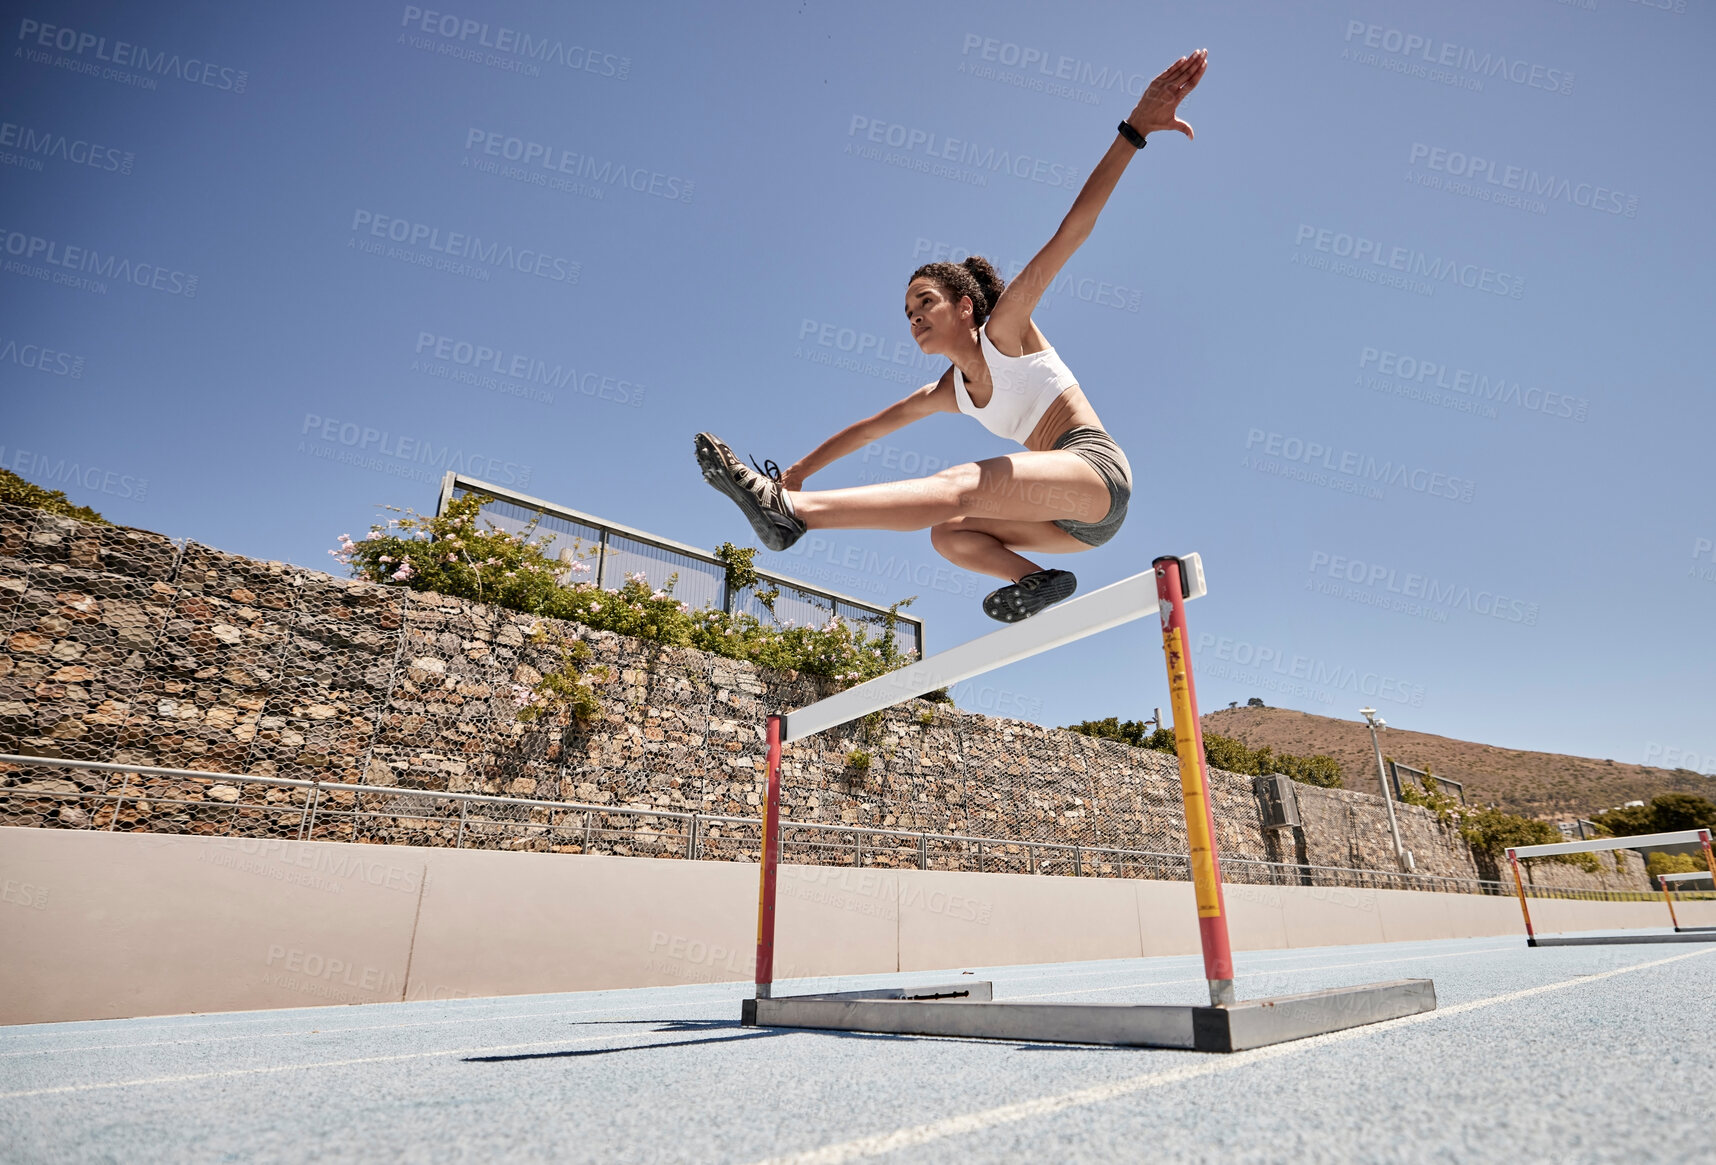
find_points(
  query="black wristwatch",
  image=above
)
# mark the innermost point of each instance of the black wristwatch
(1131, 135)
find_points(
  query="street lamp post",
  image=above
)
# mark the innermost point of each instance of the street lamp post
(1401, 855)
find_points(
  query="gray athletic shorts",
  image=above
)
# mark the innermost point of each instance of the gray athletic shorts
(1103, 455)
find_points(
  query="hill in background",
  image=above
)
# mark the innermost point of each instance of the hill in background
(1535, 784)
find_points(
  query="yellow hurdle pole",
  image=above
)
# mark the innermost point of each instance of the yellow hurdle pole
(1194, 785)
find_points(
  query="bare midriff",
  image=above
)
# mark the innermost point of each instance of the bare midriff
(1069, 411)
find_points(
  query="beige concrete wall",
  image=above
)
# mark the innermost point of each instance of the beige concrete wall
(102, 925)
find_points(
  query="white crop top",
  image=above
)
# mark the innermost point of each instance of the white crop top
(1025, 387)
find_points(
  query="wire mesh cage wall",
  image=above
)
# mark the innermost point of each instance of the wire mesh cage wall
(608, 552)
(164, 686)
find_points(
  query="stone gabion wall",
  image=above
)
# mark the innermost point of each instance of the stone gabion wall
(125, 646)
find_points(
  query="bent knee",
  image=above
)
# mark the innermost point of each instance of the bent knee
(942, 534)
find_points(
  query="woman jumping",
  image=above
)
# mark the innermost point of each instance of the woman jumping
(1067, 492)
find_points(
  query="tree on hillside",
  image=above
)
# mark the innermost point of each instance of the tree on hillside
(1222, 752)
(1666, 813)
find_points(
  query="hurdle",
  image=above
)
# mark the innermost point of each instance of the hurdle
(1666, 880)
(1679, 934)
(969, 1009)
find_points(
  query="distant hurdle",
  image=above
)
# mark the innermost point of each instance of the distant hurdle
(1679, 934)
(1667, 880)
(968, 1009)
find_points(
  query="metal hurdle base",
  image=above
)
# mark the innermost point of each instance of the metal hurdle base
(1692, 929)
(966, 1010)
(1684, 935)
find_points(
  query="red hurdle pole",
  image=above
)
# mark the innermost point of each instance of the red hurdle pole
(770, 865)
(1194, 784)
(1519, 886)
(1709, 862)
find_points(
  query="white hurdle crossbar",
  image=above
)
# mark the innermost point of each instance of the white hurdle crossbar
(1122, 602)
(1638, 841)
(1604, 843)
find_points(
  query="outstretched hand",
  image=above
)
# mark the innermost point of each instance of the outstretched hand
(1158, 108)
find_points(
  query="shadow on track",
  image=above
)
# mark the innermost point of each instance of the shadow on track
(696, 1025)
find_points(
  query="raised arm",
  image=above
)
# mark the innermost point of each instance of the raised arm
(1157, 109)
(931, 398)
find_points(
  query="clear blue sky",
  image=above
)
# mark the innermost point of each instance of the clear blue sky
(1262, 317)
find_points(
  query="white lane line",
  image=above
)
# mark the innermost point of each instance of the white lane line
(328, 1031)
(974, 1122)
(229, 1073)
(1261, 974)
(296, 1014)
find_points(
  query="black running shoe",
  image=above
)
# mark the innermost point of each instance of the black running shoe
(1029, 595)
(759, 494)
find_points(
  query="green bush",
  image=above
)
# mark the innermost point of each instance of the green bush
(1659, 862)
(1222, 752)
(563, 689)
(1491, 832)
(15, 491)
(1666, 813)
(1429, 795)
(449, 554)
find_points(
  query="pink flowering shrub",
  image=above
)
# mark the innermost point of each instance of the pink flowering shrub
(452, 554)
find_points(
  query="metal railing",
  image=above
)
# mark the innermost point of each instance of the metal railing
(141, 798)
(702, 578)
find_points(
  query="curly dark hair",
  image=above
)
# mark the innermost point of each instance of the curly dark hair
(975, 277)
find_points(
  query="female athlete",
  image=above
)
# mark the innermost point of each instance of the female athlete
(1067, 491)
